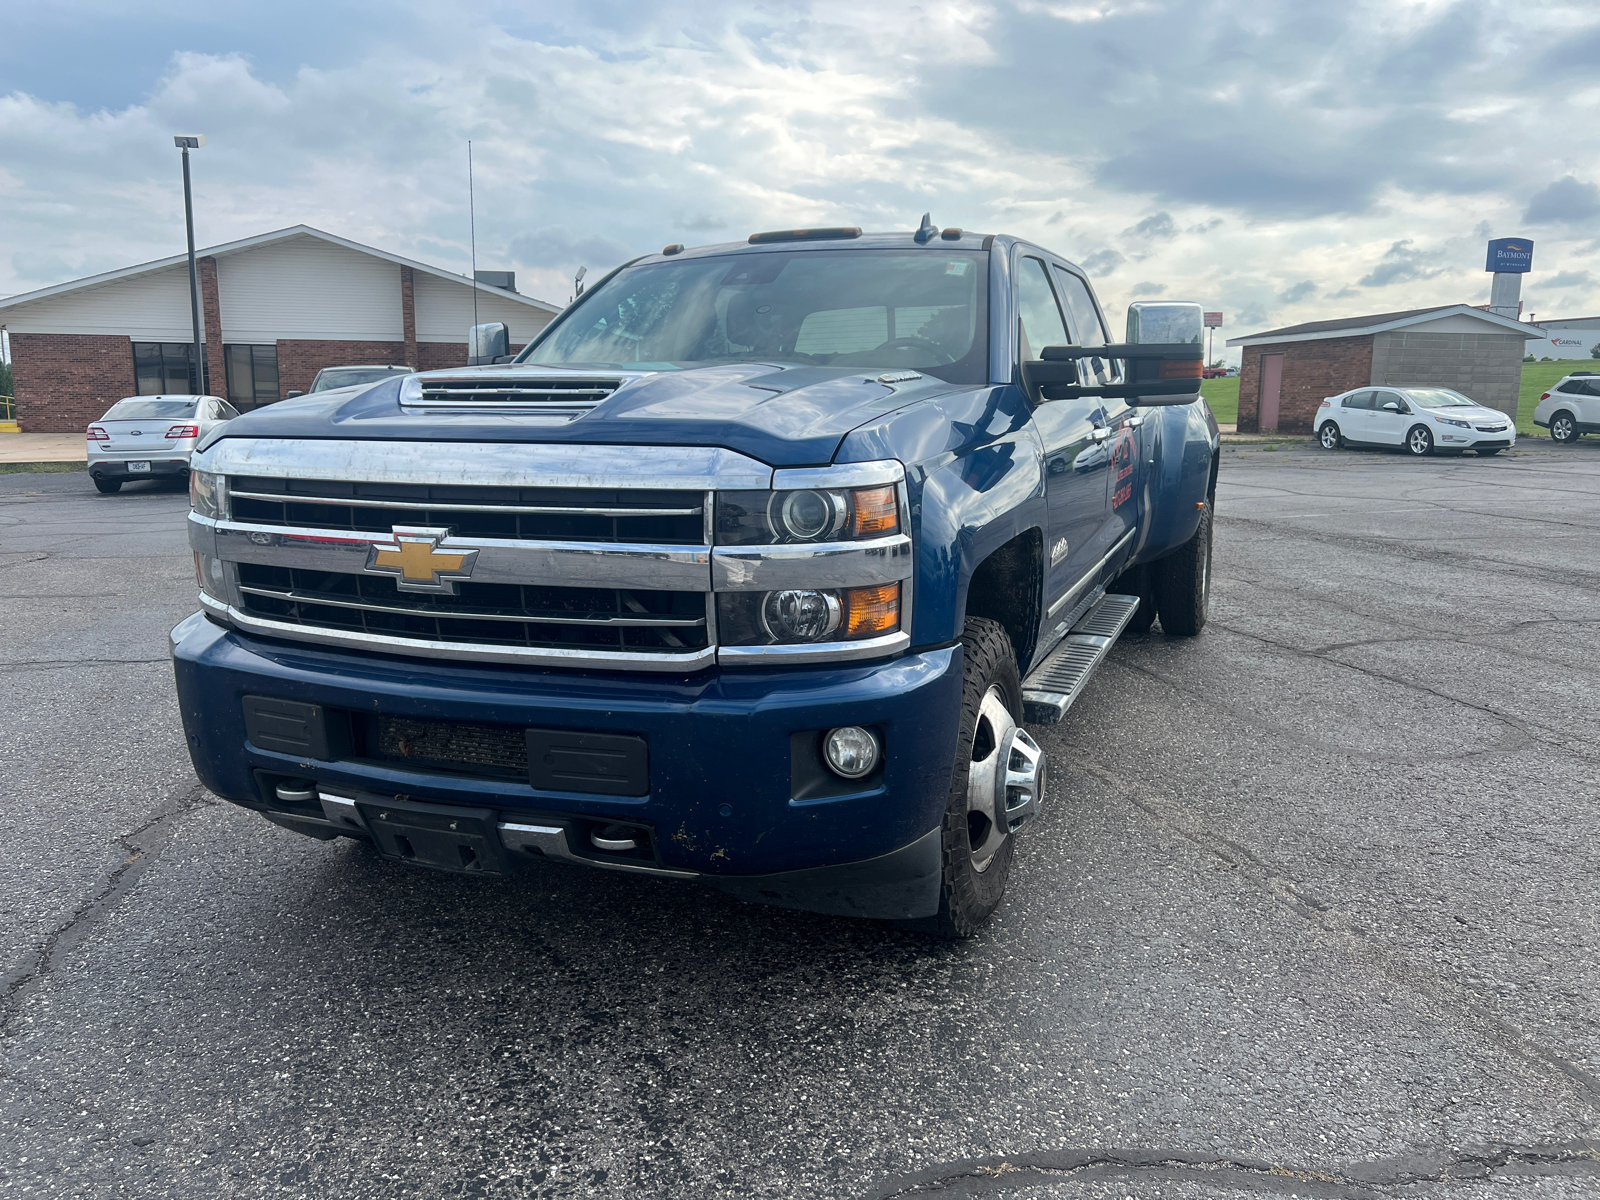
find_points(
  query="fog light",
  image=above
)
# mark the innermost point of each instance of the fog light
(801, 616)
(851, 751)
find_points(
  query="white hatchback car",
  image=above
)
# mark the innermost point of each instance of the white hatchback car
(1420, 420)
(1571, 408)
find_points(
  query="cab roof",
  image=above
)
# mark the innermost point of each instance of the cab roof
(898, 240)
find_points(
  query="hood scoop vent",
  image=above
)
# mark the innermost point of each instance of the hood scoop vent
(562, 396)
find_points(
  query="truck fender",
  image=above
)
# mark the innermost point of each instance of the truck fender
(969, 508)
(1181, 475)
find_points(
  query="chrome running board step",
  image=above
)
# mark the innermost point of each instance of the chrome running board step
(1050, 689)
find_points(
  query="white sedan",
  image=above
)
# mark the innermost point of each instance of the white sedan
(1421, 420)
(150, 437)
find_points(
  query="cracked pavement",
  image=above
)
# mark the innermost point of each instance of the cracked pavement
(1311, 912)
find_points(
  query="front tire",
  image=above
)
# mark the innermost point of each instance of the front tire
(1329, 436)
(1419, 442)
(1183, 582)
(1564, 427)
(107, 487)
(977, 844)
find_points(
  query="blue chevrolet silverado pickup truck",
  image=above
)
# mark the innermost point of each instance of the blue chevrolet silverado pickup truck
(748, 571)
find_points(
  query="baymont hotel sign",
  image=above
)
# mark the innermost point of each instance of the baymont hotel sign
(1510, 256)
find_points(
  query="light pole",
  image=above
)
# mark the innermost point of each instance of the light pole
(187, 142)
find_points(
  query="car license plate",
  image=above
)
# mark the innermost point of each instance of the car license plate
(138, 467)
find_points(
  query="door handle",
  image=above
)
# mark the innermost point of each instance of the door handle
(1134, 422)
(1100, 433)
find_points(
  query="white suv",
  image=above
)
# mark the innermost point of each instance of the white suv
(1571, 408)
(1418, 419)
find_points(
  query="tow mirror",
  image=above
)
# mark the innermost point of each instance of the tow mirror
(292, 393)
(488, 343)
(1162, 360)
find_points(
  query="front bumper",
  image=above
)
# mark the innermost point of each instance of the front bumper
(1449, 437)
(722, 777)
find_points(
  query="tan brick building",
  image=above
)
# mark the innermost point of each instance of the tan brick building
(277, 308)
(1286, 373)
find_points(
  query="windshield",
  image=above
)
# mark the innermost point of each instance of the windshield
(338, 377)
(149, 410)
(862, 309)
(1439, 398)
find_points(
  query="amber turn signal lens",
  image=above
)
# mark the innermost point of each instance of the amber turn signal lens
(1180, 368)
(872, 610)
(877, 512)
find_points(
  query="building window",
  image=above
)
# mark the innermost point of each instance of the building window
(252, 375)
(162, 368)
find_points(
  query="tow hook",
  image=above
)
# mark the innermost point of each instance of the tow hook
(615, 839)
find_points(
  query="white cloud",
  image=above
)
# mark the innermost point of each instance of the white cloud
(1245, 157)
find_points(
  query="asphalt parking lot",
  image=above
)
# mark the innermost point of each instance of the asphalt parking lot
(1312, 911)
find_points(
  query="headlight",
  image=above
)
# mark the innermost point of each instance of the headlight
(796, 616)
(207, 493)
(1449, 421)
(808, 515)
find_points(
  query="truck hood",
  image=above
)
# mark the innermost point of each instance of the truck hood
(783, 415)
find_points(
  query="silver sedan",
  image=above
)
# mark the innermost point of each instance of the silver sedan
(151, 437)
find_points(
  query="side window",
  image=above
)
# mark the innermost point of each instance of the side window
(226, 412)
(1382, 398)
(1085, 317)
(1086, 323)
(1038, 316)
(1358, 400)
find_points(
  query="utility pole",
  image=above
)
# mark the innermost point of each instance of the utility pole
(197, 360)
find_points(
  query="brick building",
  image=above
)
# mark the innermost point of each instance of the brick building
(277, 308)
(1286, 373)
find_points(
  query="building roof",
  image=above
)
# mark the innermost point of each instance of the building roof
(1379, 323)
(265, 239)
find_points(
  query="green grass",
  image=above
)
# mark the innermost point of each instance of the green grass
(1538, 378)
(1223, 397)
(41, 468)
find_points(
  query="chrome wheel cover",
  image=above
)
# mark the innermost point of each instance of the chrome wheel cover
(1330, 436)
(1420, 441)
(1005, 779)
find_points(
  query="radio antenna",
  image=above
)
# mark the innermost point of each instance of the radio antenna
(472, 226)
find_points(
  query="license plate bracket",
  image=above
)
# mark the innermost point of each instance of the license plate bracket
(139, 466)
(444, 837)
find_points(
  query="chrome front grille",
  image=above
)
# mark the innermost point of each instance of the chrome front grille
(569, 395)
(660, 517)
(522, 553)
(1491, 428)
(488, 614)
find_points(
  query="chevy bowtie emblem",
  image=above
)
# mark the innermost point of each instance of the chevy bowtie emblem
(417, 563)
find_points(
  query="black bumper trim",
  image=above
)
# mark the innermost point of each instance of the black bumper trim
(901, 885)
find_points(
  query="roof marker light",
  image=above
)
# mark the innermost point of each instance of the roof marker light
(806, 235)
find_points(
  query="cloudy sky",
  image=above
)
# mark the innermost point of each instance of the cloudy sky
(1280, 161)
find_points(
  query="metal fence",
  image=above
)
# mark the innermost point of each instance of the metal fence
(8, 408)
